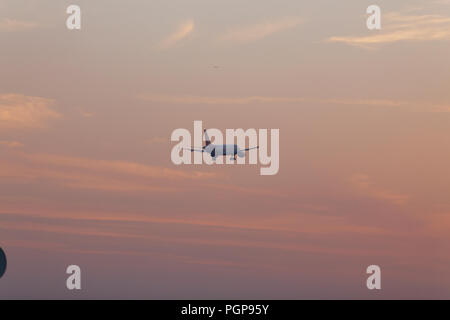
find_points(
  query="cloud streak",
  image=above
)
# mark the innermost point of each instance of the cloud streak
(249, 100)
(91, 174)
(264, 237)
(255, 32)
(401, 28)
(113, 176)
(18, 111)
(184, 30)
(11, 144)
(121, 167)
(364, 184)
(12, 25)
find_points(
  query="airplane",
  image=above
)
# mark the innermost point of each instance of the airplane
(221, 150)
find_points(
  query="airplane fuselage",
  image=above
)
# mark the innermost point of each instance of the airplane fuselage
(223, 150)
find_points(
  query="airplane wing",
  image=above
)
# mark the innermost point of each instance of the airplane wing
(192, 149)
(247, 149)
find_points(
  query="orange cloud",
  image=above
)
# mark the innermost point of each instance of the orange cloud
(11, 25)
(284, 241)
(215, 100)
(20, 111)
(124, 167)
(11, 144)
(83, 173)
(402, 28)
(363, 183)
(117, 176)
(259, 31)
(183, 31)
(247, 100)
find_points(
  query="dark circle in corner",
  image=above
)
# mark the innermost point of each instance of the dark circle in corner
(2, 262)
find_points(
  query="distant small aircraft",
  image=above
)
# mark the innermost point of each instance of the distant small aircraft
(221, 150)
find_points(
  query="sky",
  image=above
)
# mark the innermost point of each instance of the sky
(86, 176)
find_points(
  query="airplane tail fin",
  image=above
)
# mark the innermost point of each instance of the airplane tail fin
(207, 140)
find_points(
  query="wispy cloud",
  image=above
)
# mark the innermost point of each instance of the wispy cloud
(94, 227)
(261, 99)
(284, 222)
(188, 99)
(115, 176)
(11, 25)
(86, 114)
(102, 175)
(249, 100)
(251, 33)
(11, 144)
(20, 111)
(398, 27)
(184, 30)
(364, 184)
(121, 167)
